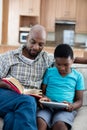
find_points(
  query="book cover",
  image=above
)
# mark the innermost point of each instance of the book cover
(16, 86)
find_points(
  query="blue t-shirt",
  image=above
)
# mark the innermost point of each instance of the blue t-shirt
(62, 88)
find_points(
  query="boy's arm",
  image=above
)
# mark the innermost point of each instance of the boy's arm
(78, 99)
(44, 98)
(43, 86)
(77, 102)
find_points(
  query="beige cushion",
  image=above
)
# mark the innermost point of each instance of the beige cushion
(85, 98)
(83, 69)
(80, 122)
(1, 123)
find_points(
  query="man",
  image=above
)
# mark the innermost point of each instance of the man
(27, 64)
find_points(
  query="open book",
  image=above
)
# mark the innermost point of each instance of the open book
(54, 105)
(15, 85)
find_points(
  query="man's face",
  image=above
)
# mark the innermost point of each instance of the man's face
(35, 44)
(64, 65)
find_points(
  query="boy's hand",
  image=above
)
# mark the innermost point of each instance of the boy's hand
(44, 99)
(69, 108)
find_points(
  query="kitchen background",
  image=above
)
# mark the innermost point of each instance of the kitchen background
(65, 21)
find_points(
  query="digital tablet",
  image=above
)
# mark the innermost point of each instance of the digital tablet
(55, 105)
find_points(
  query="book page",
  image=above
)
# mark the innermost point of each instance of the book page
(33, 92)
(16, 86)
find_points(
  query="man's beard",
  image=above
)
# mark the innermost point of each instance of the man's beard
(33, 55)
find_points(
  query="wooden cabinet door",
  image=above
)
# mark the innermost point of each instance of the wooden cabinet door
(48, 14)
(13, 22)
(66, 9)
(30, 7)
(36, 7)
(1, 9)
(26, 7)
(81, 16)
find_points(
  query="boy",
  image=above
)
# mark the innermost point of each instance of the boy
(61, 84)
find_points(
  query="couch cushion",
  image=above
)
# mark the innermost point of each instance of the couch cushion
(1, 123)
(83, 69)
(85, 98)
(80, 122)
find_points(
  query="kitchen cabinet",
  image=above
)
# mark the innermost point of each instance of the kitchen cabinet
(1, 9)
(30, 7)
(66, 9)
(29, 15)
(28, 21)
(5, 13)
(10, 23)
(10, 26)
(42, 13)
(81, 16)
(25, 25)
(48, 14)
(19, 15)
(13, 22)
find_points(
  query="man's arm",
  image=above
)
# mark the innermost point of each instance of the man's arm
(80, 60)
(43, 87)
(78, 99)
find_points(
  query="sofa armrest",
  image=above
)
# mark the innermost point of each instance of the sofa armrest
(85, 98)
(80, 122)
(1, 123)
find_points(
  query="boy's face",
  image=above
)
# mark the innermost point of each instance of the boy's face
(64, 65)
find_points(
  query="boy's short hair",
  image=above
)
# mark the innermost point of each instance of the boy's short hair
(63, 50)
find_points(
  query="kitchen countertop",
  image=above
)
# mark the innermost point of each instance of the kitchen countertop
(79, 45)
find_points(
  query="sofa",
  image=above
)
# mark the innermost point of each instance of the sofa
(81, 118)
